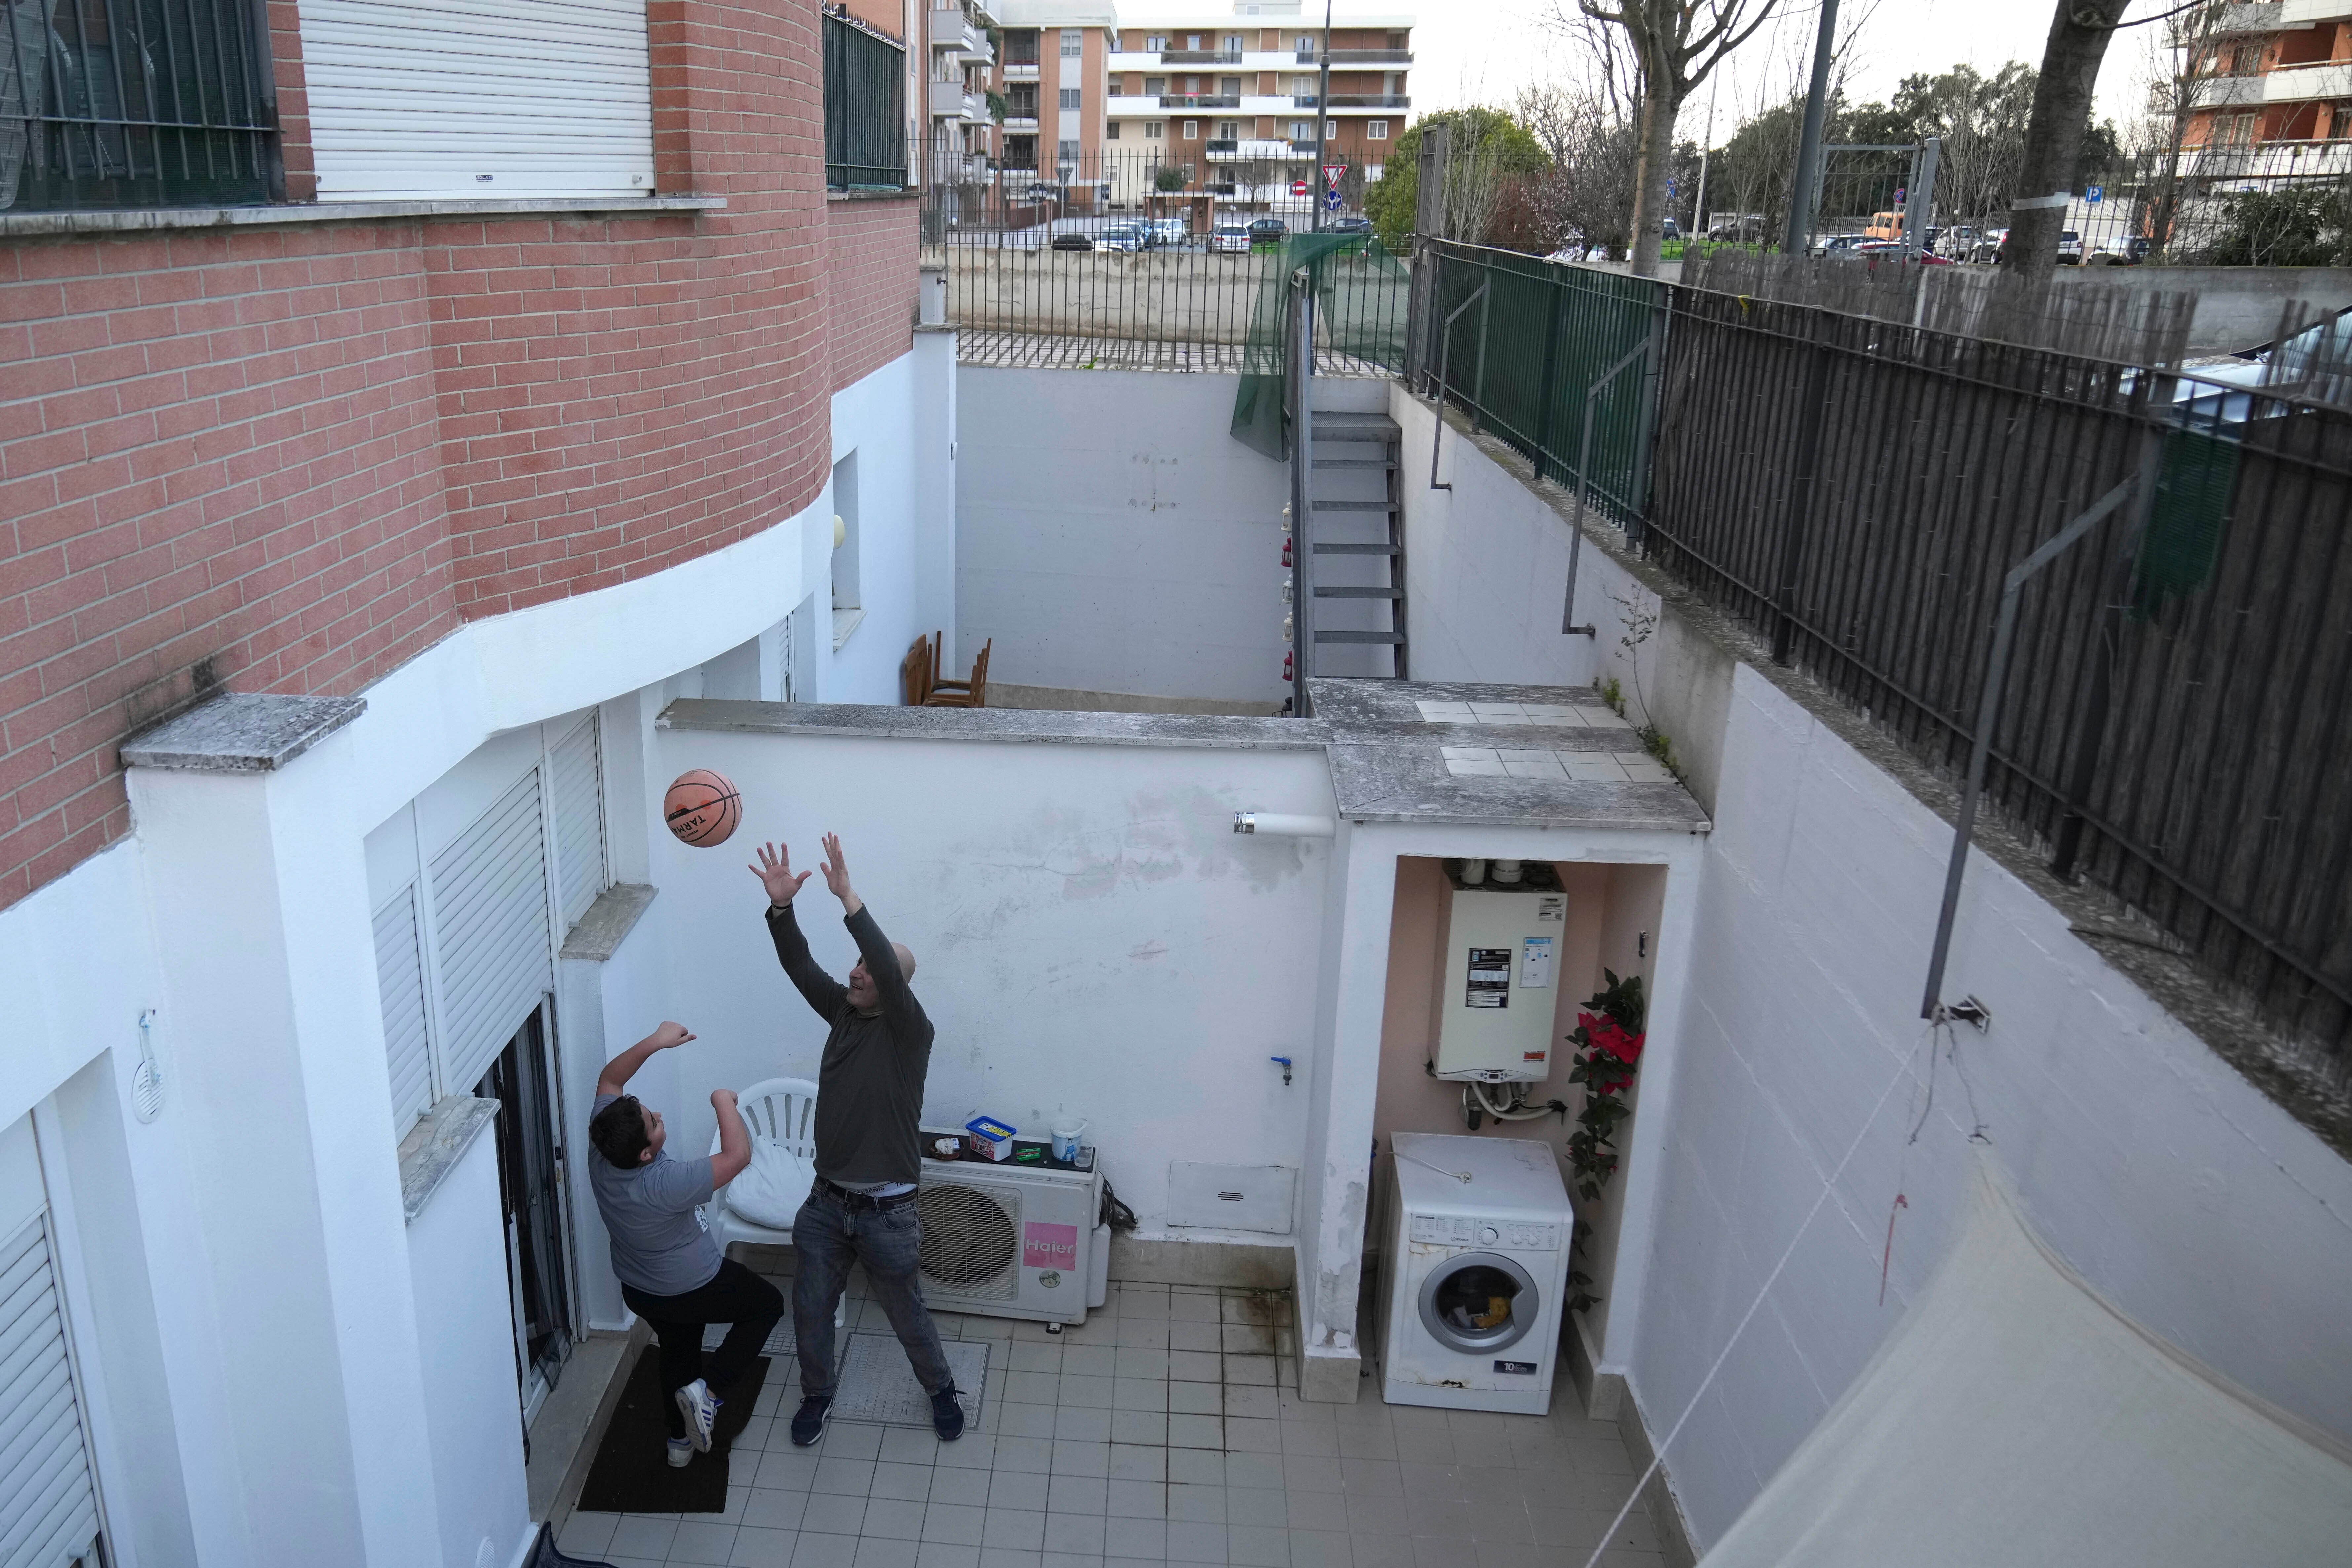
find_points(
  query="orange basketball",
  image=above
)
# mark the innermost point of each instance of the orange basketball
(702, 809)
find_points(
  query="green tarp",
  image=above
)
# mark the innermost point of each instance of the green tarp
(1361, 305)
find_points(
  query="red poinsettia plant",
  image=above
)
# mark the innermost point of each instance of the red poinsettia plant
(1608, 1039)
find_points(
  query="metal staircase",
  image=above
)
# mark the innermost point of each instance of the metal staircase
(1361, 520)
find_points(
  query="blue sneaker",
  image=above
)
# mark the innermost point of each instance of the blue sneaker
(808, 1424)
(946, 1414)
(701, 1408)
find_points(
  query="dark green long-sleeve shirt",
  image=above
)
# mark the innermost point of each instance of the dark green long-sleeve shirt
(869, 1089)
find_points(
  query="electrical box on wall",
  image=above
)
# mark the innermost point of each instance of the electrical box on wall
(1501, 957)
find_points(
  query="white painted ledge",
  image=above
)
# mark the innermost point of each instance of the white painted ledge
(844, 622)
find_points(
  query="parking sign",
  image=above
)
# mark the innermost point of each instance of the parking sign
(2093, 193)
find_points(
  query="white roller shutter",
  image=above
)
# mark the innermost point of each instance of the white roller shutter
(48, 1505)
(489, 933)
(490, 98)
(576, 795)
(399, 977)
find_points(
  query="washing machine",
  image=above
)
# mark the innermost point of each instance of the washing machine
(1477, 1271)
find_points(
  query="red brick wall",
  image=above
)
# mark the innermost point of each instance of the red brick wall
(293, 102)
(289, 459)
(217, 466)
(870, 259)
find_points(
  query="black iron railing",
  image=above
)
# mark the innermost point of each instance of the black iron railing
(132, 103)
(865, 109)
(2179, 724)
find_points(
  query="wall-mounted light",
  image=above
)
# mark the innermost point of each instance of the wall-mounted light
(1284, 825)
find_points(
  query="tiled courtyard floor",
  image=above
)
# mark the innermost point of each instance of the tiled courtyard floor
(1157, 1432)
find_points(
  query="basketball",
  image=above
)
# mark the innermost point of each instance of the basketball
(702, 809)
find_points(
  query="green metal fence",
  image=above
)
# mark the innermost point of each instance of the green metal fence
(1524, 345)
(865, 109)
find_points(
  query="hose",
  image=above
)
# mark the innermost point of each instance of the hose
(1515, 1109)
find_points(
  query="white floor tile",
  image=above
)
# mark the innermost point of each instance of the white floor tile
(758, 1548)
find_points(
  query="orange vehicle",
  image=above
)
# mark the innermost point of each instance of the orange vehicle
(1885, 226)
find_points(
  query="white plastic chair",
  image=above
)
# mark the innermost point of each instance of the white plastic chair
(784, 1109)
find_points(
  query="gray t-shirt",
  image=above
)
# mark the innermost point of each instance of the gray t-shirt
(654, 1215)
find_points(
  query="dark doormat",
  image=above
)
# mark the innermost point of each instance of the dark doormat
(632, 1473)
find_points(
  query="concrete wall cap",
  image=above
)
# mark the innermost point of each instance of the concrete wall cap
(242, 733)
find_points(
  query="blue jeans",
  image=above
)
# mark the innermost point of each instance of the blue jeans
(829, 1235)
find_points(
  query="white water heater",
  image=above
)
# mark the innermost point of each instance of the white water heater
(1495, 1000)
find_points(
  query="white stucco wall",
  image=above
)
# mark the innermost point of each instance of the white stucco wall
(891, 421)
(466, 1335)
(2170, 1182)
(1113, 536)
(1090, 934)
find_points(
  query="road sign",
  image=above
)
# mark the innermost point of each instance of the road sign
(1331, 201)
(2092, 194)
(1899, 194)
(1298, 187)
(1333, 174)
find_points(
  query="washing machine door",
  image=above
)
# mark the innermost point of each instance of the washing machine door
(1479, 1302)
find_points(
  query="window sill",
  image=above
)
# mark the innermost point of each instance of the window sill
(844, 622)
(871, 194)
(436, 1144)
(140, 218)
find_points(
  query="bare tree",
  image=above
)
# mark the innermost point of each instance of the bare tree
(1981, 120)
(1676, 43)
(1587, 130)
(2079, 33)
(2174, 59)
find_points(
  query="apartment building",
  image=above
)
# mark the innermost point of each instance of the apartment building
(2273, 90)
(1243, 89)
(961, 138)
(398, 405)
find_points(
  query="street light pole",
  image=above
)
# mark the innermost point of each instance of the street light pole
(1322, 120)
(1804, 188)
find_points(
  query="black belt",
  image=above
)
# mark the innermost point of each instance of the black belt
(863, 1200)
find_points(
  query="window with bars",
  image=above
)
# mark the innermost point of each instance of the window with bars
(136, 104)
(865, 109)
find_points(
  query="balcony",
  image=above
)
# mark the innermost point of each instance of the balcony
(1200, 100)
(1346, 100)
(1393, 58)
(954, 101)
(2269, 160)
(2300, 84)
(1021, 70)
(1200, 56)
(1249, 151)
(1017, 121)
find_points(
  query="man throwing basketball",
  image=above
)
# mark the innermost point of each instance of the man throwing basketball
(869, 1103)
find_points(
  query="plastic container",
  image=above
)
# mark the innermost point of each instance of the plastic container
(1068, 1130)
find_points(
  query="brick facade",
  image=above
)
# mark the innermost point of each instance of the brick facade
(870, 250)
(289, 459)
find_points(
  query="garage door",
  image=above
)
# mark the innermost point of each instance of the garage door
(491, 98)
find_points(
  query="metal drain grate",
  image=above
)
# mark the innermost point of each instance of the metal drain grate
(877, 1384)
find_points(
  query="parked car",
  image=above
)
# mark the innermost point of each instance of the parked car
(1228, 237)
(1842, 246)
(1350, 224)
(1955, 242)
(2070, 248)
(2128, 251)
(1072, 242)
(1746, 227)
(1125, 236)
(1988, 245)
(1167, 232)
(1268, 231)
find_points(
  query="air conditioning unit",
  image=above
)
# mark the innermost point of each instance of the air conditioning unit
(1012, 1241)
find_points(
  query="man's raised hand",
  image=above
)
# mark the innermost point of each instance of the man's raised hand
(837, 875)
(671, 1035)
(775, 873)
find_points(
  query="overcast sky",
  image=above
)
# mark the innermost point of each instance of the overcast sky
(1484, 50)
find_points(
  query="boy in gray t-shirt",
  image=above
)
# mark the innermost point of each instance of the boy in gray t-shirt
(672, 1273)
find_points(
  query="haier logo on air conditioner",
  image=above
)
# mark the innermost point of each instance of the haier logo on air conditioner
(1049, 1246)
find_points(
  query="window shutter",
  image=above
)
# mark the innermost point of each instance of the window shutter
(48, 1505)
(576, 795)
(489, 933)
(400, 978)
(484, 97)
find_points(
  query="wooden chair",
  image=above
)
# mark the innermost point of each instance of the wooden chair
(971, 693)
(916, 672)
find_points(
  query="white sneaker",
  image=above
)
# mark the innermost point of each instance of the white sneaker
(681, 1452)
(701, 1410)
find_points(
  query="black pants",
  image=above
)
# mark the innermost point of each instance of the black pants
(736, 1297)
